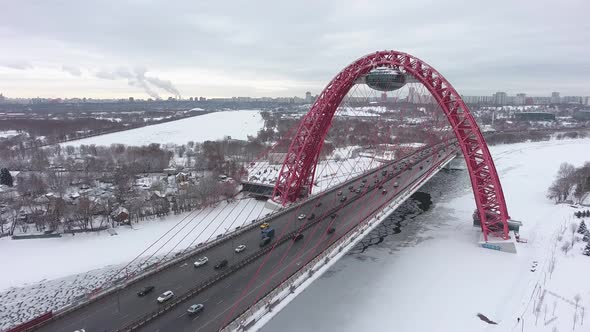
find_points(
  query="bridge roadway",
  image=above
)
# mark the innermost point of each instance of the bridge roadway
(116, 311)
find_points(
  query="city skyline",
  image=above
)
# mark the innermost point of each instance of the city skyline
(126, 50)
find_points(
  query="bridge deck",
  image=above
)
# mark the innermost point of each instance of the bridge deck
(119, 310)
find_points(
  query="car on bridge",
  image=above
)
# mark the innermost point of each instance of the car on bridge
(384, 192)
(264, 241)
(146, 290)
(364, 181)
(358, 191)
(222, 263)
(264, 225)
(240, 248)
(339, 193)
(334, 215)
(297, 237)
(195, 309)
(395, 185)
(351, 188)
(167, 295)
(331, 230)
(343, 199)
(311, 216)
(201, 261)
(318, 204)
(301, 216)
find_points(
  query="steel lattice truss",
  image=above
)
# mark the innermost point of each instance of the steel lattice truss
(298, 170)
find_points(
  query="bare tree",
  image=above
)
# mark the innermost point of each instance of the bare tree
(58, 181)
(565, 247)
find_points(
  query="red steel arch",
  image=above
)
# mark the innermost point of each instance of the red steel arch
(298, 170)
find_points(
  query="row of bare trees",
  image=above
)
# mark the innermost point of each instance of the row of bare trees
(570, 181)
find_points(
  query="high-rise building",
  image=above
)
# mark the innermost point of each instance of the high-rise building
(520, 99)
(384, 97)
(2, 98)
(308, 97)
(555, 99)
(500, 98)
(572, 100)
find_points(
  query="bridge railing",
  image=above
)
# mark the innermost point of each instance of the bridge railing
(271, 299)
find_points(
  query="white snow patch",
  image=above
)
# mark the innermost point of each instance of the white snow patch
(211, 126)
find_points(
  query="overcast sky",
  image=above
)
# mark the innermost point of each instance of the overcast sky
(122, 48)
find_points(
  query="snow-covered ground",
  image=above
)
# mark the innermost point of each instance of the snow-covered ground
(330, 172)
(8, 133)
(433, 277)
(36, 279)
(211, 126)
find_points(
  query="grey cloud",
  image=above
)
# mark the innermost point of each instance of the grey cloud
(72, 70)
(20, 65)
(310, 41)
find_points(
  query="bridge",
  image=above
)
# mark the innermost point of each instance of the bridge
(259, 281)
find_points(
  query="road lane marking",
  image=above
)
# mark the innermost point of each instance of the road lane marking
(182, 315)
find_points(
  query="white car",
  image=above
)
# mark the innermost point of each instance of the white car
(395, 185)
(195, 308)
(201, 261)
(167, 295)
(301, 216)
(240, 248)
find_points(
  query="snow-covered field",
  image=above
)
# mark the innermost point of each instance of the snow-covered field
(433, 277)
(211, 126)
(38, 279)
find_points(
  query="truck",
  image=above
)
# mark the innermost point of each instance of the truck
(268, 232)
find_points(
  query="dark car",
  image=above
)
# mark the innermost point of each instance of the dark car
(331, 230)
(364, 180)
(343, 199)
(351, 188)
(311, 216)
(318, 204)
(264, 241)
(221, 264)
(146, 290)
(297, 237)
(334, 215)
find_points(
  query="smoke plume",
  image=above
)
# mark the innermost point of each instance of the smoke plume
(138, 78)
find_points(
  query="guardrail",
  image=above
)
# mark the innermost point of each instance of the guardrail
(122, 283)
(252, 315)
